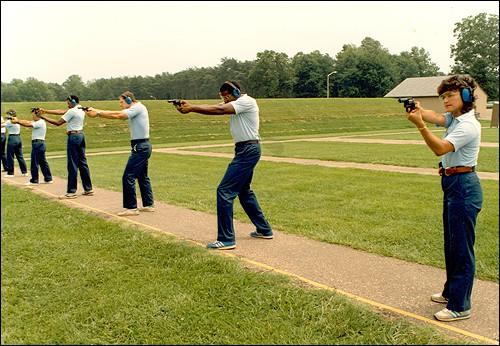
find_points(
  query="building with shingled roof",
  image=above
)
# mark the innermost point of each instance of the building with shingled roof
(424, 90)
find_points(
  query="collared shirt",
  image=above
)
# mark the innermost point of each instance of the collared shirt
(3, 128)
(464, 132)
(74, 118)
(244, 125)
(14, 129)
(39, 129)
(138, 121)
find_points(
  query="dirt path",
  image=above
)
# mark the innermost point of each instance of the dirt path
(389, 284)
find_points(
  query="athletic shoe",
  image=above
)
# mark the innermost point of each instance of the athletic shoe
(24, 174)
(221, 245)
(48, 182)
(438, 298)
(69, 195)
(257, 234)
(29, 183)
(149, 208)
(129, 212)
(88, 193)
(446, 315)
(8, 175)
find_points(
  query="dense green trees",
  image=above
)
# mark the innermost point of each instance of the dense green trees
(476, 50)
(365, 71)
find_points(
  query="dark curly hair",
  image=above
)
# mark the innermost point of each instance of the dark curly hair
(457, 83)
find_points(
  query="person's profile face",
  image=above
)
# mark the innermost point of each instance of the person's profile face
(226, 96)
(451, 100)
(123, 104)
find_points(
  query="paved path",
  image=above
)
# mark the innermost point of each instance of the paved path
(386, 283)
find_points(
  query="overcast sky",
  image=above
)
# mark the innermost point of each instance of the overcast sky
(53, 40)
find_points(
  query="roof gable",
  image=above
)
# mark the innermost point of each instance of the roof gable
(417, 87)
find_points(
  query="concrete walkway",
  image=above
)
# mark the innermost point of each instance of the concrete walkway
(389, 284)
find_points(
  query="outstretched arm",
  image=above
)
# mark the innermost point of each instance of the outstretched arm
(218, 109)
(25, 123)
(94, 112)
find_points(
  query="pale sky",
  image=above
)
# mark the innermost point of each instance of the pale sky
(52, 40)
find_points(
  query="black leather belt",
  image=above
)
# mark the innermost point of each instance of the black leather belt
(73, 132)
(253, 141)
(37, 140)
(13, 134)
(137, 141)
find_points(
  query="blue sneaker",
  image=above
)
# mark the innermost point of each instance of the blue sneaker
(257, 234)
(221, 245)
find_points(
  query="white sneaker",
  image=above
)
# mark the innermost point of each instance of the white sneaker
(29, 183)
(446, 315)
(24, 174)
(8, 175)
(149, 208)
(68, 196)
(438, 298)
(48, 182)
(129, 212)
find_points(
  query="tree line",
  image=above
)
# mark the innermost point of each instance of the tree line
(368, 70)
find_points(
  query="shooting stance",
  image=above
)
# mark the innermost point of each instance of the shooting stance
(463, 195)
(244, 127)
(38, 148)
(75, 147)
(137, 165)
(14, 146)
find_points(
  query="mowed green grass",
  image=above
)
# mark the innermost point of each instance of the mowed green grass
(278, 117)
(78, 279)
(397, 215)
(409, 155)
(487, 135)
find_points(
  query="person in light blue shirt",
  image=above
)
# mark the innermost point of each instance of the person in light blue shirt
(38, 148)
(463, 196)
(244, 128)
(137, 166)
(74, 119)
(14, 146)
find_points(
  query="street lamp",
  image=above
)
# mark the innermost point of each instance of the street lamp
(328, 84)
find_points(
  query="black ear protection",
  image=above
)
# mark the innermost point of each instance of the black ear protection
(128, 100)
(236, 91)
(72, 101)
(466, 94)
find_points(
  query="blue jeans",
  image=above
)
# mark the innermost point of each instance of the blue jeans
(77, 161)
(137, 168)
(15, 147)
(236, 182)
(38, 159)
(463, 198)
(4, 158)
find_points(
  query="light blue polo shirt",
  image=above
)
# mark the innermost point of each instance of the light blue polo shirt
(3, 128)
(464, 132)
(14, 129)
(74, 118)
(244, 124)
(138, 121)
(39, 129)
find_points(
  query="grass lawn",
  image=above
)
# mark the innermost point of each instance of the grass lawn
(397, 215)
(279, 117)
(410, 155)
(78, 279)
(487, 135)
